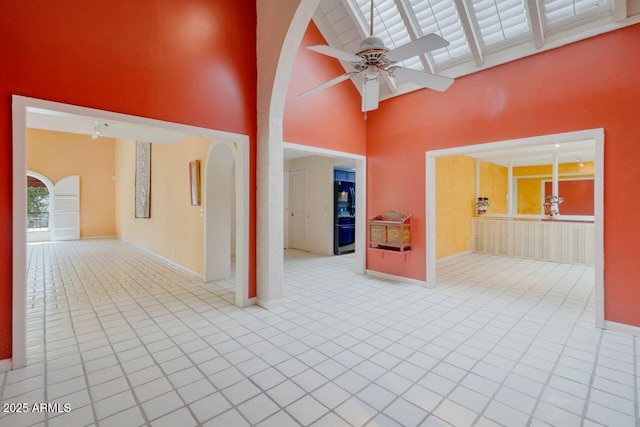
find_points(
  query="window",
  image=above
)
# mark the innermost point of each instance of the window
(37, 205)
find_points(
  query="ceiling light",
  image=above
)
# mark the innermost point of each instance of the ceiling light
(557, 145)
(98, 129)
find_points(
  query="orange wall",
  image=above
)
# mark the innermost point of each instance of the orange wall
(190, 62)
(57, 155)
(589, 84)
(577, 195)
(330, 118)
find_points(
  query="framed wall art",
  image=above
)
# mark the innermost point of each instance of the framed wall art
(143, 180)
(194, 180)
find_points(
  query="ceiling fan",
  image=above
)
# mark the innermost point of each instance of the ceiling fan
(374, 59)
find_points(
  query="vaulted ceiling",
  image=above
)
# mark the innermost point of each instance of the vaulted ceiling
(481, 33)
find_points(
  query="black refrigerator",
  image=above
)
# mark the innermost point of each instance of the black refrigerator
(344, 217)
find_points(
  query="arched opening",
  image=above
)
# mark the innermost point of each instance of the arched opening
(279, 36)
(40, 193)
(220, 213)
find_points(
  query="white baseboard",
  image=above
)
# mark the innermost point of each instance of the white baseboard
(622, 328)
(99, 237)
(168, 261)
(454, 256)
(395, 278)
(5, 365)
(270, 305)
(251, 301)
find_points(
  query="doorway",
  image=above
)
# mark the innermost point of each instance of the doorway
(297, 203)
(311, 181)
(555, 141)
(22, 107)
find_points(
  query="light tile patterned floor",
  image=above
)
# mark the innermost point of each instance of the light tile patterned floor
(128, 340)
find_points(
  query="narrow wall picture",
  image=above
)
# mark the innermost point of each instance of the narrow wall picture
(194, 179)
(143, 179)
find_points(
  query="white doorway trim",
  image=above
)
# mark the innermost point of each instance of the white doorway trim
(361, 196)
(595, 134)
(286, 183)
(20, 106)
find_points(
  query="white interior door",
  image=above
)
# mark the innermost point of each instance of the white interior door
(297, 205)
(67, 209)
(285, 193)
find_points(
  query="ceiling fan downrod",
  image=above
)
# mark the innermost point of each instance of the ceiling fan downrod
(371, 24)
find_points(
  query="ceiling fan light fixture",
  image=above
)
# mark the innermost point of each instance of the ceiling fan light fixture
(371, 72)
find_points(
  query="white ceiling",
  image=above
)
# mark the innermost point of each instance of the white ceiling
(83, 125)
(567, 152)
(292, 153)
(482, 33)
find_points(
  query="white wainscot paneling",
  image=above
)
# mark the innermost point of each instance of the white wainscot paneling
(568, 242)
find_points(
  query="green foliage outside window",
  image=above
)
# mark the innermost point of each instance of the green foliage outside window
(37, 199)
(37, 208)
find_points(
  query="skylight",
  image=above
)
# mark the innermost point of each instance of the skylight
(559, 13)
(389, 26)
(442, 18)
(500, 21)
(481, 33)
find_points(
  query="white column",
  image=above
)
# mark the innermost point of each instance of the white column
(477, 179)
(510, 189)
(554, 185)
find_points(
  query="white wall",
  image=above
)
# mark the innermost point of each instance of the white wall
(319, 201)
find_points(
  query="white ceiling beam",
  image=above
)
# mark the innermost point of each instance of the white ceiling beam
(537, 22)
(356, 17)
(331, 37)
(619, 10)
(363, 30)
(414, 32)
(473, 38)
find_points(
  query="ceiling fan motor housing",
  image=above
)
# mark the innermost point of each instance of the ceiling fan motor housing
(372, 51)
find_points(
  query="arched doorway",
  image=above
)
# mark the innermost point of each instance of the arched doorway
(40, 193)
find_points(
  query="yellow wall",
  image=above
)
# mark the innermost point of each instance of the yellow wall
(530, 189)
(563, 168)
(57, 155)
(175, 230)
(455, 194)
(494, 184)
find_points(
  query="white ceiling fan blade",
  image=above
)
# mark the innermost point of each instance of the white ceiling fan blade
(432, 81)
(335, 53)
(325, 85)
(370, 94)
(423, 44)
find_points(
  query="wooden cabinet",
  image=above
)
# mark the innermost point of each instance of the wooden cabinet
(390, 230)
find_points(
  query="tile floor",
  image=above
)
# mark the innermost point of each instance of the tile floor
(126, 339)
